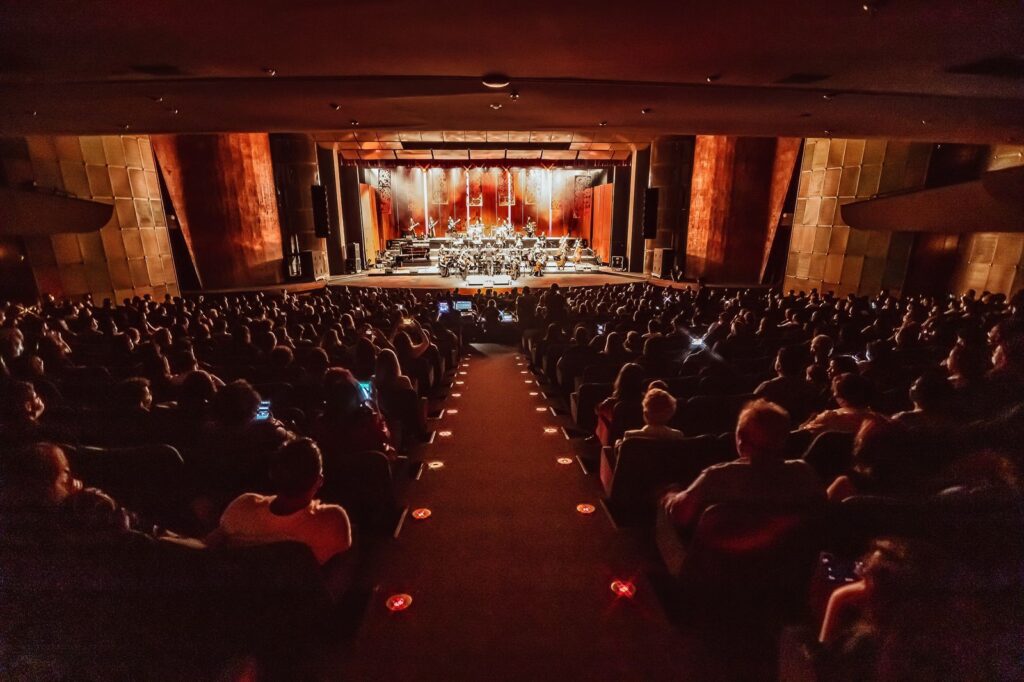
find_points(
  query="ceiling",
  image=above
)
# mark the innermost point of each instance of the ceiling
(481, 145)
(937, 70)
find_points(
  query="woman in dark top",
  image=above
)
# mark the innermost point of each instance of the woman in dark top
(624, 407)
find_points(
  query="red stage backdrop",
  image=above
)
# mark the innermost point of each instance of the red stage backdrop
(558, 200)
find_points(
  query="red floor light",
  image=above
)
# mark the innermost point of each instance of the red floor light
(435, 464)
(534, 393)
(460, 383)
(623, 588)
(586, 508)
(444, 434)
(528, 381)
(421, 513)
(398, 602)
(564, 460)
(523, 371)
(550, 430)
(541, 409)
(463, 373)
(456, 395)
(451, 410)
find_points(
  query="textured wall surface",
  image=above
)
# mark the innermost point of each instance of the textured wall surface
(222, 187)
(129, 256)
(992, 261)
(825, 253)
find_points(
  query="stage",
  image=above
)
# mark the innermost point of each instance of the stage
(596, 277)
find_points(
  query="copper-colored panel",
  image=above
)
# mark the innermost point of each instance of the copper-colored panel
(74, 280)
(92, 150)
(139, 272)
(66, 249)
(113, 150)
(113, 245)
(519, 136)
(119, 181)
(99, 181)
(137, 180)
(836, 151)
(132, 153)
(75, 179)
(91, 245)
(830, 184)
(120, 275)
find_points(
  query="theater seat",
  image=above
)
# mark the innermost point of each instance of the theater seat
(830, 454)
(710, 414)
(149, 479)
(744, 553)
(583, 402)
(638, 471)
(362, 484)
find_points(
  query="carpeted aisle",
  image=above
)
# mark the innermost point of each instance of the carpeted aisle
(509, 581)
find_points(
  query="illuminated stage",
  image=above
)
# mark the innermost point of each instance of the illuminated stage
(596, 277)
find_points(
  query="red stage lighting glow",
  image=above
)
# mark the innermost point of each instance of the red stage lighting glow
(564, 460)
(550, 429)
(623, 588)
(421, 513)
(399, 602)
(586, 508)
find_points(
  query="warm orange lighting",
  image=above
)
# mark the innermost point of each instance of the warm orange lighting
(528, 381)
(550, 429)
(463, 373)
(435, 464)
(460, 383)
(399, 602)
(586, 508)
(564, 460)
(456, 395)
(534, 393)
(623, 588)
(452, 410)
(444, 434)
(421, 513)
(541, 409)
(523, 371)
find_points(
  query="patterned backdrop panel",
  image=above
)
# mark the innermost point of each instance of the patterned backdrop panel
(579, 193)
(506, 197)
(533, 186)
(439, 186)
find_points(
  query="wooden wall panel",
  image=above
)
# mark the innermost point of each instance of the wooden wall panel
(222, 187)
(373, 239)
(601, 229)
(553, 193)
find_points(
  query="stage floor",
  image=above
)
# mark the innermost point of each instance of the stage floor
(569, 279)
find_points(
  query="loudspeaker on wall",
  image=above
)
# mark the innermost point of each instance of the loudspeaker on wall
(321, 213)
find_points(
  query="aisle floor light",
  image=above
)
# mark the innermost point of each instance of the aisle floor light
(564, 460)
(550, 430)
(421, 513)
(541, 409)
(623, 588)
(452, 410)
(435, 464)
(398, 602)
(456, 395)
(444, 434)
(586, 508)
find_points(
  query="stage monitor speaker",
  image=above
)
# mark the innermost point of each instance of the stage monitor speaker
(650, 221)
(321, 212)
(354, 257)
(618, 263)
(662, 262)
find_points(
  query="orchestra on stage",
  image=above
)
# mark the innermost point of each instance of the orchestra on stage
(496, 251)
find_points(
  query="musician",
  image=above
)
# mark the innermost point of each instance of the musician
(410, 232)
(577, 252)
(540, 259)
(530, 227)
(453, 224)
(431, 224)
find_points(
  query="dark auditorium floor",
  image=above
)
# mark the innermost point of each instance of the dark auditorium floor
(509, 581)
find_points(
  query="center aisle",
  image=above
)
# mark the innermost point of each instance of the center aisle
(509, 581)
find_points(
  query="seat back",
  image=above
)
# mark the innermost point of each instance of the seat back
(711, 414)
(645, 468)
(587, 400)
(830, 454)
(362, 484)
(149, 479)
(765, 549)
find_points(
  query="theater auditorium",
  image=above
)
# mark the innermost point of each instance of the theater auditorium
(460, 341)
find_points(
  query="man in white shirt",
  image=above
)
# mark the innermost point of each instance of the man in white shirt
(293, 513)
(760, 474)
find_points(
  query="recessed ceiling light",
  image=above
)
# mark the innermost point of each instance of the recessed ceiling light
(495, 105)
(172, 112)
(713, 77)
(335, 106)
(496, 80)
(828, 96)
(157, 98)
(924, 122)
(269, 71)
(828, 133)
(125, 126)
(353, 123)
(33, 113)
(646, 110)
(602, 123)
(514, 95)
